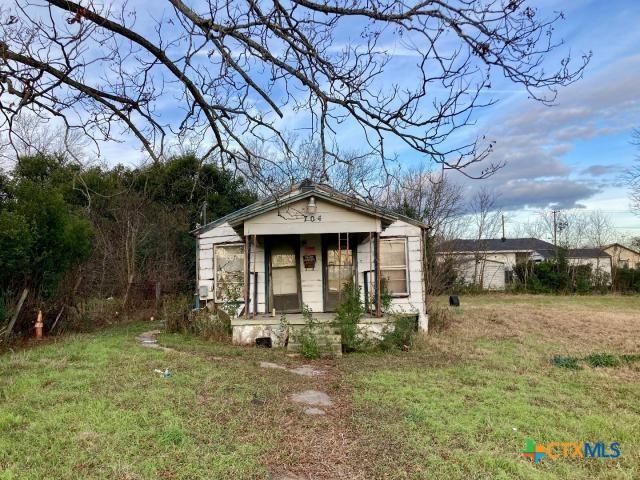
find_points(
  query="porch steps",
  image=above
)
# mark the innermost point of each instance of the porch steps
(329, 341)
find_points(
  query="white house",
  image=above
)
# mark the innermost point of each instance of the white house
(281, 254)
(491, 262)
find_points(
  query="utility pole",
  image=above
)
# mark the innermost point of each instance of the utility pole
(555, 227)
(504, 237)
(555, 233)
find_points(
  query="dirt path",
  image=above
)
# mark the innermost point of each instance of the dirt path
(317, 434)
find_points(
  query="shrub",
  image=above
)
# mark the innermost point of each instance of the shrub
(176, 314)
(627, 280)
(602, 360)
(570, 363)
(348, 314)
(402, 334)
(307, 336)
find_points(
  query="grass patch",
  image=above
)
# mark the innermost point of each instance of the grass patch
(92, 407)
(570, 363)
(602, 360)
(460, 404)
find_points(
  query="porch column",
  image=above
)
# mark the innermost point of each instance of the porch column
(255, 276)
(376, 259)
(247, 265)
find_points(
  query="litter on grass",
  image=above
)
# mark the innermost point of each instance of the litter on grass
(166, 373)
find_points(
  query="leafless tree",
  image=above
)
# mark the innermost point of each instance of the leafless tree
(428, 196)
(633, 175)
(435, 200)
(236, 72)
(348, 171)
(34, 136)
(484, 217)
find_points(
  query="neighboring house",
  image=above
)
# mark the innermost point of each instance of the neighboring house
(596, 257)
(623, 257)
(481, 261)
(298, 250)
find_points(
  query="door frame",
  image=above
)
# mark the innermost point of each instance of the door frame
(270, 241)
(353, 244)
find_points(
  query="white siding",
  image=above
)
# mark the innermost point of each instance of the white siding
(415, 301)
(226, 234)
(597, 263)
(311, 279)
(489, 271)
(292, 219)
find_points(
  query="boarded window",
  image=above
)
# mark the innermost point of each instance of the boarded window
(229, 266)
(393, 265)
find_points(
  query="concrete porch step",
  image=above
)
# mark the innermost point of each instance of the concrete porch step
(331, 343)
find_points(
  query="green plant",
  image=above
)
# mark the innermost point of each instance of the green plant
(570, 363)
(630, 358)
(400, 334)
(602, 360)
(307, 336)
(348, 314)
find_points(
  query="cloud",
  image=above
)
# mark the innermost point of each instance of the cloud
(600, 170)
(533, 140)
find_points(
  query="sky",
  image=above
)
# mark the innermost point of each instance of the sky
(571, 155)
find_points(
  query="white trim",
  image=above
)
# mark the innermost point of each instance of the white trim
(404, 240)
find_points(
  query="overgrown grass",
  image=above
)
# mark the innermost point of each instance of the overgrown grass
(90, 406)
(464, 404)
(459, 405)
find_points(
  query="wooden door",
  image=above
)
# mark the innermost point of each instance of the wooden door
(284, 275)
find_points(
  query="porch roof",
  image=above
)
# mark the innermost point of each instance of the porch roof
(304, 190)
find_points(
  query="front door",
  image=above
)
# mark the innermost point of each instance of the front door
(339, 268)
(284, 275)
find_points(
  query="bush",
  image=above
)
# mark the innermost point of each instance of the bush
(179, 318)
(348, 314)
(402, 334)
(627, 280)
(307, 337)
(558, 276)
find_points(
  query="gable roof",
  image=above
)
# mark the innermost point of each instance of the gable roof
(301, 191)
(587, 253)
(545, 249)
(619, 245)
(495, 245)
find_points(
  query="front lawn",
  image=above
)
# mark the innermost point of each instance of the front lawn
(460, 404)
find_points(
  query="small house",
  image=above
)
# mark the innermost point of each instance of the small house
(298, 250)
(490, 262)
(623, 257)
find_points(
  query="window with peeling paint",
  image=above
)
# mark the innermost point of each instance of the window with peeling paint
(229, 268)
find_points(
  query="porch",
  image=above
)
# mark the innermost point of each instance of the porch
(298, 319)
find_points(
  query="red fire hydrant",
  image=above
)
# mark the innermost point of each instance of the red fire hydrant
(39, 325)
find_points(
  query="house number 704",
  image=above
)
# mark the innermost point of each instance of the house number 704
(313, 218)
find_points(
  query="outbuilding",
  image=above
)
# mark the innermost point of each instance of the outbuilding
(298, 250)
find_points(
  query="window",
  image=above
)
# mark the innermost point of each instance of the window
(508, 277)
(393, 265)
(229, 269)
